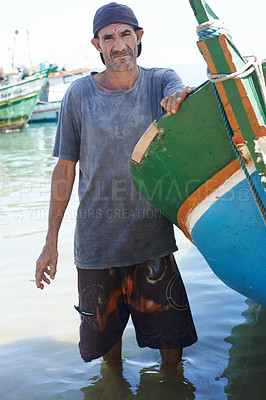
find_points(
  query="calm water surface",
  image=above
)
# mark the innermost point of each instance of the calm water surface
(39, 329)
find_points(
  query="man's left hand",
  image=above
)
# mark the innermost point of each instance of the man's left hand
(172, 103)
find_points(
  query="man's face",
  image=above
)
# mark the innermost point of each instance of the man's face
(119, 45)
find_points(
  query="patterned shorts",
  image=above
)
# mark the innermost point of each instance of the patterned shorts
(152, 293)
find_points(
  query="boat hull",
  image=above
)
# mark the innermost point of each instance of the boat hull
(231, 236)
(185, 166)
(18, 100)
(48, 108)
(46, 112)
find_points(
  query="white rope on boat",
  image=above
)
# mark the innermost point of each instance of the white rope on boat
(246, 70)
(259, 71)
(251, 65)
(213, 24)
(214, 28)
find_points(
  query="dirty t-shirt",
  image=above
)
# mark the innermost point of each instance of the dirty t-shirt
(115, 225)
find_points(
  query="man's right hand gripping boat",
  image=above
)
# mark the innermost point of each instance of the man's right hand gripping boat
(204, 167)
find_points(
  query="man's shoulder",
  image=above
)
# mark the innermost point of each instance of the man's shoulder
(79, 85)
(157, 72)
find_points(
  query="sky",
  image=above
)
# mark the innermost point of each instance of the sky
(60, 32)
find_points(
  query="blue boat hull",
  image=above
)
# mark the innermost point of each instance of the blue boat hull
(231, 236)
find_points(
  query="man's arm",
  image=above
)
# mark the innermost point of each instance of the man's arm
(62, 183)
(172, 103)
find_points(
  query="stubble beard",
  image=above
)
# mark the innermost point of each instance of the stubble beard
(121, 66)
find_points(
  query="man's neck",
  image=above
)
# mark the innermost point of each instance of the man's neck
(112, 81)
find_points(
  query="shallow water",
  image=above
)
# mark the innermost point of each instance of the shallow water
(39, 329)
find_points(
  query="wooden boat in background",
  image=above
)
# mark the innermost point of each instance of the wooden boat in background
(48, 107)
(204, 168)
(17, 100)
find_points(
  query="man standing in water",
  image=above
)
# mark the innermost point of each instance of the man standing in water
(123, 246)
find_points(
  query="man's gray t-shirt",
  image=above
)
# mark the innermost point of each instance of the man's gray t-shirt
(115, 225)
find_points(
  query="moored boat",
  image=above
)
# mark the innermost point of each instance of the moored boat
(204, 168)
(48, 107)
(17, 100)
(46, 111)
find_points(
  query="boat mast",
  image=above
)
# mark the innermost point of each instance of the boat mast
(28, 44)
(14, 46)
(202, 11)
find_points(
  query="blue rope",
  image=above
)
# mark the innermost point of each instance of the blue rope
(213, 32)
(238, 156)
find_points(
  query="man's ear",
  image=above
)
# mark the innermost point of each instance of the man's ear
(96, 44)
(139, 34)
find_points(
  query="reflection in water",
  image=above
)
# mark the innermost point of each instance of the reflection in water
(111, 385)
(156, 382)
(246, 370)
(163, 381)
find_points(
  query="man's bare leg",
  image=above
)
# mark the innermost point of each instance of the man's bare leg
(171, 355)
(117, 387)
(114, 354)
(171, 364)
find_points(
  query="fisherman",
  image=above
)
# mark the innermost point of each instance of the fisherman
(123, 246)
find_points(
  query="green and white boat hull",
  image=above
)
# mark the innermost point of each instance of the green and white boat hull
(18, 100)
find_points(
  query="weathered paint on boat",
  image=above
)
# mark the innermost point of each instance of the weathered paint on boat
(186, 166)
(185, 150)
(18, 100)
